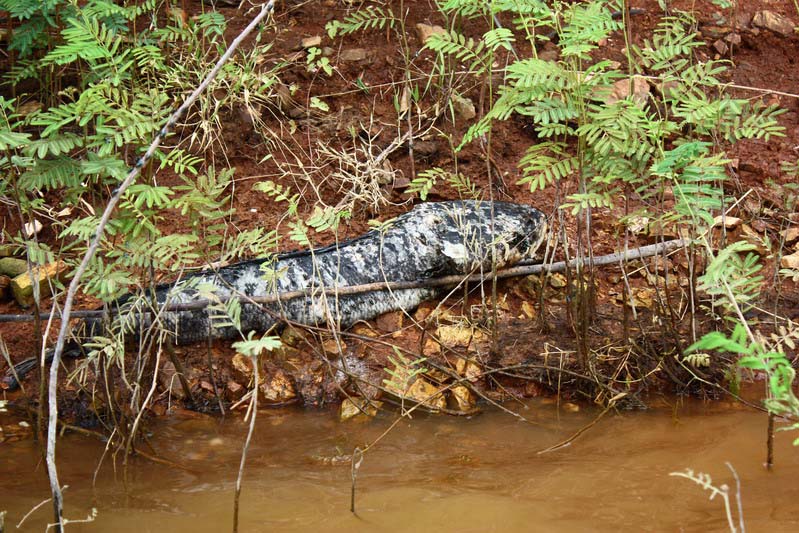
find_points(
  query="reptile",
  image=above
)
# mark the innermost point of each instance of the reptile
(432, 240)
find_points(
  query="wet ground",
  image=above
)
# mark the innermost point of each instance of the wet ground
(429, 474)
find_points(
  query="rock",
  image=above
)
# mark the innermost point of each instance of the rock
(431, 347)
(13, 267)
(424, 311)
(424, 31)
(358, 407)
(790, 235)
(22, 285)
(667, 89)
(242, 365)
(234, 391)
(277, 388)
(5, 288)
(170, 381)
(293, 337)
(468, 369)
(463, 107)
(423, 151)
(549, 55)
(331, 347)
(364, 331)
(459, 335)
(733, 38)
(29, 107)
(310, 42)
(637, 224)
(427, 394)
(621, 90)
(721, 47)
(464, 399)
(528, 310)
(773, 21)
(390, 322)
(353, 54)
(727, 221)
(790, 261)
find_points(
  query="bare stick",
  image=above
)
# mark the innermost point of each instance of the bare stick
(52, 399)
(522, 270)
(256, 363)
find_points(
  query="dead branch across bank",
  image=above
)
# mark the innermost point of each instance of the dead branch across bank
(521, 270)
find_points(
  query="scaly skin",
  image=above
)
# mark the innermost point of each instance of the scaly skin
(432, 240)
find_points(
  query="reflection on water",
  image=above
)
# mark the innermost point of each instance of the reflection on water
(433, 473)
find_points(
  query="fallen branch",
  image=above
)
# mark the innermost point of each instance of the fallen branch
(521, 270)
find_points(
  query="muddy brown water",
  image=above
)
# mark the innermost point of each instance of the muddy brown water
(433, 473)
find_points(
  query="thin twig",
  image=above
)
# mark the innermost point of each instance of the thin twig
(52, 397)
(253, 411)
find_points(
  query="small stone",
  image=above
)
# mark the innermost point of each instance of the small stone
(557, 281)
(168, 376)
(459, 335)
(29, 107)
(234, 391)
(468, 369)
(637, 224)
(464, 399)
(22, 285)
(278, 388)
(790, 261)
(424, 31)
(727, 221)
(243, 365)
(431, 347)
(310, 42)
(790, 235)
(5, 288)
(427, 394)
(773, 21)
(353, 54)
(621, 90)
(549, 55)
(358, 407)
(333, 347)
(463, 107)
(528, 310)
(390, 322)
(12, 266)
(721, 47)
(733, 38)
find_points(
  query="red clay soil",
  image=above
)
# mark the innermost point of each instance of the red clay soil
(763, 66)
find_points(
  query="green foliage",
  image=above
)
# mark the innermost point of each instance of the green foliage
(254, 347)
(405, 371)
(732, 278)
(427, 179)
(781, 399)
(369, 18)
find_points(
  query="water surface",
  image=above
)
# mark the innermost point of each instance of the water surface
(432, 473)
